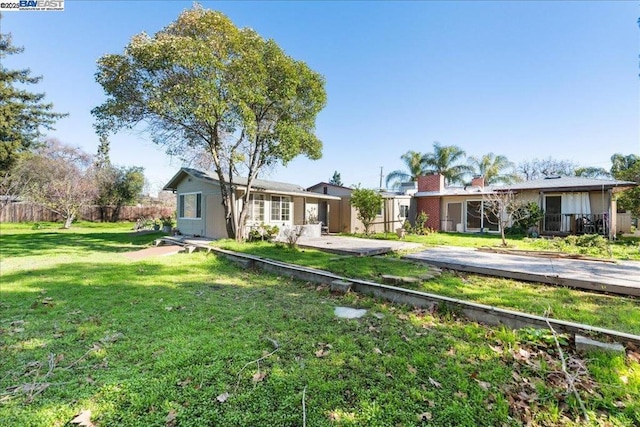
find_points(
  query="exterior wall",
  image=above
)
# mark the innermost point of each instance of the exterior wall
(599, 202)
(335, 216)
(311, 213)
(197, 227)
(215, 225)
(299, 210)
(295, 207)
(331, 190)
(448, 221)
(430, 206)
(392, 218)
(623, 222)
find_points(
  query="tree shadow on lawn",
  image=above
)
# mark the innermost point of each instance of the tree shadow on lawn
(70, 242)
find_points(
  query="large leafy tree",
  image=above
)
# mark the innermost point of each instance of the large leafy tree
(116, 186)
(414, 162)
(203, 83)
(60, 177)
(627, 168)
(496, 169)
(446, 160)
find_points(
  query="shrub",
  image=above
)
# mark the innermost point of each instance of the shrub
(291, 236)
(420, 227)
(263, 232)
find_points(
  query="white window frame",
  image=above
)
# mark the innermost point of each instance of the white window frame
(256, 201)
(484, 222)
(277, 208)
(181, 205)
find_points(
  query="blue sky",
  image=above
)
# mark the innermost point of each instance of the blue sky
(523, 79)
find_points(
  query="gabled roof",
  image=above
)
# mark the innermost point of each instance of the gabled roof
(260, 185)
(327, 184)
(569, 183)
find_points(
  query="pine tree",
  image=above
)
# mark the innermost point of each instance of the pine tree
(335, 179)
(102, 156)
(22, 113)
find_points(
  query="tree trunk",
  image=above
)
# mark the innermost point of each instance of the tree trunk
(504, 239)
(115, 214)
(68, 221)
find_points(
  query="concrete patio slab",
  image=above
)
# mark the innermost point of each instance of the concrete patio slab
(154, 251)
(355, 246)
(622, 277)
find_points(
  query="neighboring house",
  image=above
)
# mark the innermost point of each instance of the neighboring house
(575, 205)
(396, 208)
(200, 210)
(572, 205)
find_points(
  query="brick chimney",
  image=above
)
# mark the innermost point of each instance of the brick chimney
(431, 204)
(433, 182)
(477, 181)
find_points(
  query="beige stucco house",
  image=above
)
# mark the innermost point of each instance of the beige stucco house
(200, 211)
(396, 208)
(571, 205)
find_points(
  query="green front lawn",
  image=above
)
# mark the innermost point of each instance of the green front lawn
(606, 311)
(192, 340)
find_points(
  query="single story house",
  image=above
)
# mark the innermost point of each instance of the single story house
(396, 208)
(200, 211)
(571, 205)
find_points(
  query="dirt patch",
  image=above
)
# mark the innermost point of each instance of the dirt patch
(154, 251)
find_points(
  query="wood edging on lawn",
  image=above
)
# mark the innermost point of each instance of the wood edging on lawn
(476, 312)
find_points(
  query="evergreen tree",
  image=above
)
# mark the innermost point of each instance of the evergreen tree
(23, 114)
(336, 179)
(102, 156)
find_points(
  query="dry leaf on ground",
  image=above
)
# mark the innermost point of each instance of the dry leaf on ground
(83, 419)
(170, 421)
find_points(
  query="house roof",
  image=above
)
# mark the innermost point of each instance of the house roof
(327, 184)
(557, 183)
(569, 183)
(458, 191)
(260, 185)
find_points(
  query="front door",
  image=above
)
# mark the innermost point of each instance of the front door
(454, 217)
(552, 213)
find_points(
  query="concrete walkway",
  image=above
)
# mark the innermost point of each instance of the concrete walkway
(620, 278)
(355, 246)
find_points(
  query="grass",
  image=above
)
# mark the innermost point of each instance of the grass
(624, 248)
(607, 311)
(161, 341)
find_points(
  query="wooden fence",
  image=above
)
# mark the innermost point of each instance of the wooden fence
(623, 222)
(31, 212)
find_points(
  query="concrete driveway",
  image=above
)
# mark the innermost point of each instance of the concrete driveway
(622, 277)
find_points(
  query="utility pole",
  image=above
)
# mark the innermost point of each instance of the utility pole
(381, 177)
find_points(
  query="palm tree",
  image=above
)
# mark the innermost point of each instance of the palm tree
(491, 167)
(444, 160)
(414, 162)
